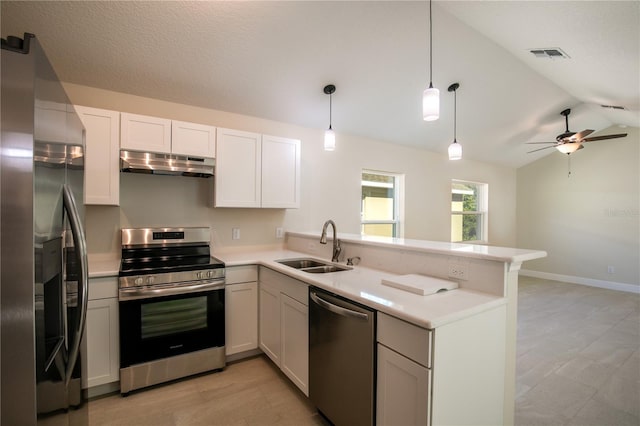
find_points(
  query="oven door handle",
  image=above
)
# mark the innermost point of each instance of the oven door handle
(134, 293)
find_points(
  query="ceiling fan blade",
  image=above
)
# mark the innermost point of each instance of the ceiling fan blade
(581, 135)
(601, 138)
(540, 149)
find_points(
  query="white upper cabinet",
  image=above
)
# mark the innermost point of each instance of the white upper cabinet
(153, 134)
(238, 175)
(280, 172)
(193, 139)
(144, 133)
(102, 157)
(254, 170)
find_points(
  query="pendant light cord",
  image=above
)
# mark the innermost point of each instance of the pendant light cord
(455, 114)
(430, 47)
(330, 95)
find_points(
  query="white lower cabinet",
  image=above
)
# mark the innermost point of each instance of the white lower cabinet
(270, 321)
(241, 309)
(101, 357)
(452, 374)
(403, 390)
(284, 325)
(403, 372)
(294, 332)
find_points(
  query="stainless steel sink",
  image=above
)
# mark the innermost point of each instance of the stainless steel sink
(312, 266)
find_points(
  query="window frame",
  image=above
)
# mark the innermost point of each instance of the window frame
(482, 210)
(398, 203)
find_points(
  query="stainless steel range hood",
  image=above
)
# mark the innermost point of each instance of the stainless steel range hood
(166, 164)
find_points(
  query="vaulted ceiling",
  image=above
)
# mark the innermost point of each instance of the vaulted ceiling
(272, 59)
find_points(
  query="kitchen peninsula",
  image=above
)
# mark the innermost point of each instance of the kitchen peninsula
(468, 334)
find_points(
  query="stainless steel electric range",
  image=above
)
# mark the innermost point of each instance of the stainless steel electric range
(171, 297)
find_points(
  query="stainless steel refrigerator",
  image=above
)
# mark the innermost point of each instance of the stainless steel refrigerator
(43, 269)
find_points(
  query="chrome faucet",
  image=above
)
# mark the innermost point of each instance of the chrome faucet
(336, 242)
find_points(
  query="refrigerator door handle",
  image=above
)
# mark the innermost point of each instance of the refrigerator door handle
(80, 244)
(335, 308)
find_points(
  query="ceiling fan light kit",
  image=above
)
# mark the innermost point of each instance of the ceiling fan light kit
(455, 149)
(431, 95)
(329, 134)
(569, 147)
(569, 142)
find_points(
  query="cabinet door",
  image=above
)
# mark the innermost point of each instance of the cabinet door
(403, 390)
(270, 322)
(294, 359)
(241, 322)
(144, 133)
(103, 355)
(238, 169)
(280, 172)
(102, 155)
(196, 140)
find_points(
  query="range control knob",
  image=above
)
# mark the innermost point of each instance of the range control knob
(198, 275)
(151, 279)
(211, 274)
(138, 281)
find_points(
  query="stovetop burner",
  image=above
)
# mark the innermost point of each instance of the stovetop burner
(167, 255)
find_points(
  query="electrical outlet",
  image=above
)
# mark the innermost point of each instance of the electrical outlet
(458, 271)
(611, 269)
(311, 247)
(279, 233)
(235, 233)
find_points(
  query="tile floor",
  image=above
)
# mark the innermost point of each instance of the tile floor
(578, 359)
(249, 392)
(578, 364)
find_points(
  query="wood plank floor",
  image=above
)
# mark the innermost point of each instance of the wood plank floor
(578, 364)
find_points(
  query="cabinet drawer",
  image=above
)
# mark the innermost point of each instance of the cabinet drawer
(410, 340)
(293, 288)
(241, 274)
(103, 288)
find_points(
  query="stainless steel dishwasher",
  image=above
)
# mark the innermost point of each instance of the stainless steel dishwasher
(341, 359)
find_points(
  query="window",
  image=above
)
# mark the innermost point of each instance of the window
(381, 204)
(468, 211)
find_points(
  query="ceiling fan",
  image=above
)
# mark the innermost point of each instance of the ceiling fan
(569, 142)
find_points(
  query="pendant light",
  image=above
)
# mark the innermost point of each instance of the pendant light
(329, 134)
(431, 95)
(455, 149)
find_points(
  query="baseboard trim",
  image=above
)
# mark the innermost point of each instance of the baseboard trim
(610, 285)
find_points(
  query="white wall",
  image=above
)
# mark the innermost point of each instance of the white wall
(588, 221)
(330, 184)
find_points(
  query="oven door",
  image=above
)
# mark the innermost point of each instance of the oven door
(163, 326)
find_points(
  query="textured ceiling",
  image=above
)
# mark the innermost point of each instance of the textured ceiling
(272, 59)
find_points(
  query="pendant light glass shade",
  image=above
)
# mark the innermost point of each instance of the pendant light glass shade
(455, 151)
(431, 104)
(329, 140)
(329, 134)
(569, 147)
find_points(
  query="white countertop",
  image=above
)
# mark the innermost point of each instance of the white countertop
(363, 285)
(478, 251)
